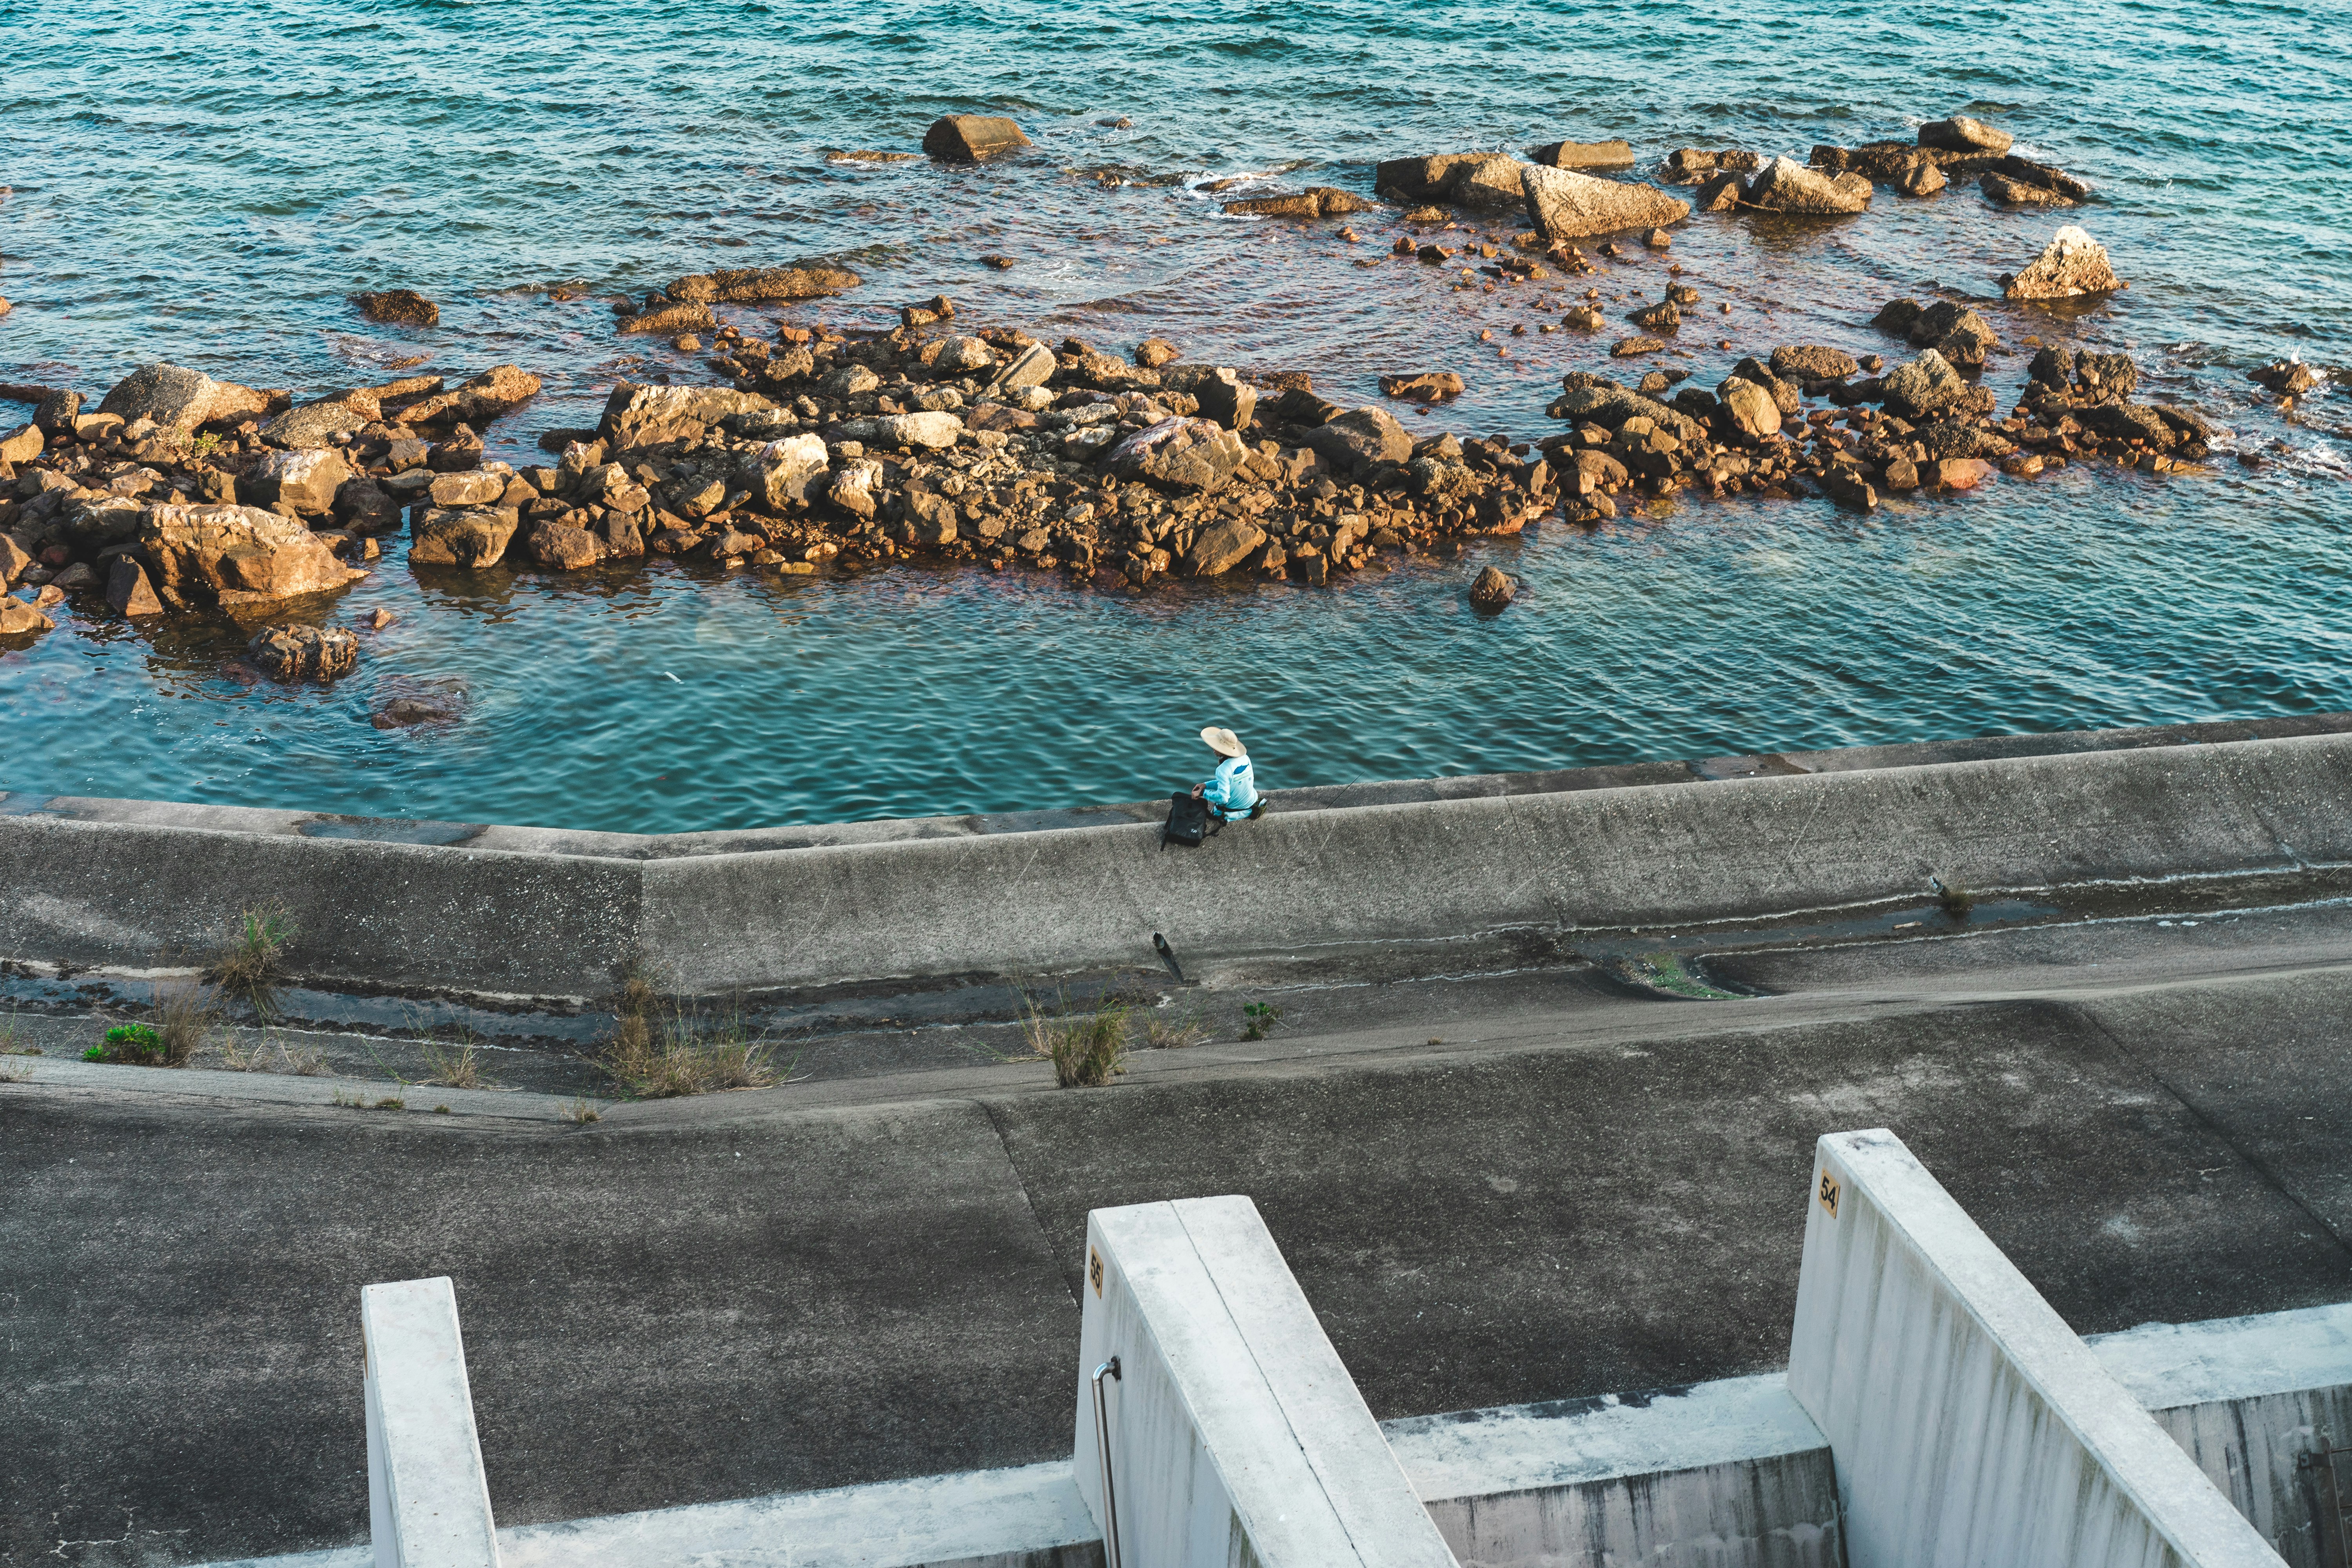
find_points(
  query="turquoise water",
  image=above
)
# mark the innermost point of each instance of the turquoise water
(206, 185)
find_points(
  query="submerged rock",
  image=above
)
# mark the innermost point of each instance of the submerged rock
(19, 619)
(293, 653)
(753, 285)
(969, 138)
(1428, 386)
(1564, 205)
(1493, 590)
(1315, 201)
(2072, 264)
(2018, 194)
(400, 307)
(2287, 377)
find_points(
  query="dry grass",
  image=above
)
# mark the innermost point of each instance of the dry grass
(12, 1038)
(675, 1054)
(1955, 899)
(452, 1064)
(184, 1018)
(1173, 1034)
(252, 964)
(14, 1072)
(578, 1113)
(1088, 1050)
(271, 1055)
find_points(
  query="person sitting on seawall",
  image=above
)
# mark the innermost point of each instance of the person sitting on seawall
(1231, 792)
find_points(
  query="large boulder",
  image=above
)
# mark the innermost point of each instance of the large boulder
(1962, 134)
(651, 416)
(293, 653)
(1498, 181)
(1222, 393)
(21, 445)
(1812, 361)
(1753, 415)
(791, 470)
(1785, 185)
(1424, 178)
(502, 389)
(969, 138)
(1361, 439)
(1582, 155)
(1033, 366)
(180, 399)
(1564, 205)
(750, 285)
(1180, 454)
(128, 590)
(936, 430)
(302, 482)
(237, 556)
(400, 306)
(559, 547)
(473, 538)
(2072, 263)
(1925, 386)
(1223, 546)
(470, 487)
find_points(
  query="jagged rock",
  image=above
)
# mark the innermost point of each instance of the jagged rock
(237, 556)
(1957, 473)
(969, 138)
(1689, 165)
(1786, 185)
(1223, 546)
(1582, 155)
(21, 445)
(1033, 366)
(128, 590)
(473, 538)
(1922, 178)
(1221, 394)
(1812, 361)
(638, 415)
(1753, 413)
(1924, 386)
(470, 487)
(1564, 205)
(180, 399)
(2018, 194)
(1315, 201)
(1954, 331)
(2130, 422)
(1429, 387)
(2287, 377)
(848, 381)
(364, 507)
(19, 619)
(751, 285)
(1424, 178)
(1153, 352)
(1849, 490)
(2072, 263)
(792, 469)
(1720, 193)
(559, 547)
(498, 391)
(292, 653)
(1497, 182)
(1962, 134)
(303, 482)
(15, 559)
(670, 319)
(1493, 590)
(1631, 348)
(1181, 454)
(2044, 176)
(402, 307)
(963, 355)
(1957, 438)
(1361, 437)
(56, 413)
(1663, 316)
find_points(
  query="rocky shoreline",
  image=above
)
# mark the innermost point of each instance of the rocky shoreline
(179, 494)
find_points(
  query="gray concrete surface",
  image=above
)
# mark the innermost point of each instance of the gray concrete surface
(1493, 1191)
(1471, 869)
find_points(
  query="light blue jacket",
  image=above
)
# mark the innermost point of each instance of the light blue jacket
(1230, 791)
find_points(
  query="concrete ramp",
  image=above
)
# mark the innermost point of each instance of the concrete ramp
(1970, 1427)
(1235, 1435)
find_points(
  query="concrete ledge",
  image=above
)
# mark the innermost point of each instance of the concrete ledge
(522, 912)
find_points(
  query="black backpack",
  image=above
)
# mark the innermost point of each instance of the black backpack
(1188, 821)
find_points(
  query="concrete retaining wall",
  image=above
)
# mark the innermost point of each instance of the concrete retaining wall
(90, 887)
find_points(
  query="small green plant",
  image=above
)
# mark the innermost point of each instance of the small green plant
(1258, 1019)
(206, 443)
(441, 1111)
(1088, 1050)
(135, 1045)
(251, 965)
(346, 1098)
(391, 1102)
(578, 1113)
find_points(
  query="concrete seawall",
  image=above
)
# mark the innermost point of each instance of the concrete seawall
(97, 885)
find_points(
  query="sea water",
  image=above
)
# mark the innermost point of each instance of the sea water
(207, 184)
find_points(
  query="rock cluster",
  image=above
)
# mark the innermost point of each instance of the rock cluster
(1957, 147)
(2072, 264)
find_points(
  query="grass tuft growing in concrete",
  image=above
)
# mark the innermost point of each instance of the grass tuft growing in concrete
(452, 1064)
(271, 1055)
(1175, 1033)
(661, 1052)
(252, 964)
(1088, 1050)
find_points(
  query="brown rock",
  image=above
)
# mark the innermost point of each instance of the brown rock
(1428, 386)
(1222, 547)
(292, 653)
(180, 399)
(559, 547)
(14, 560)
(1958, 473)
(473, 538)
(1629, 348)
(1582, 155)
(1962, 134)
(1754, 412)
(19, 619)
(500, 390)
(2019, 194)
(303, 482)
(1319, 201)
(237, 556)
(1181, 454)
(1921, 178)
(969, 138)
(670, 319)
(1153, 352)
(1493, 590)
(1812, 361)
(1564, 205)
(752, 285)
(403, 306)
(1786, 185)
(2072, 263)
(21, 445)
(1361, 439)
(1720, 193)
(652, 416)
